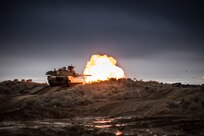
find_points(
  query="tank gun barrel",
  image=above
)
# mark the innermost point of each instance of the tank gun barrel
(83, 75)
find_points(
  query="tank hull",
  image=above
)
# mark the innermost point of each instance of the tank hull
(64, 80)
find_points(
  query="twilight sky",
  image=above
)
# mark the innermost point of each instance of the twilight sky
(152, 40)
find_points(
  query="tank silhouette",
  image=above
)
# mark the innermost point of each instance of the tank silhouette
(65, 77)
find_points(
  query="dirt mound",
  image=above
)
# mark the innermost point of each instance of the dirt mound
(109, 98)
(18, 87)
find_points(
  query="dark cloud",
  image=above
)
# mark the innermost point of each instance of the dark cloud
(129, 29)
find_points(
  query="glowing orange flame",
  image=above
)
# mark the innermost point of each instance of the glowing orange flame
(118, 133)
(101, 68)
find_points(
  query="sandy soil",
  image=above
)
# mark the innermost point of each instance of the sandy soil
(123, 107)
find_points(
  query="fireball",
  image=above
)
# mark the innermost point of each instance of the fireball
(101, 68)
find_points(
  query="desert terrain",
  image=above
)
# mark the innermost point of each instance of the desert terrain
(114, 107)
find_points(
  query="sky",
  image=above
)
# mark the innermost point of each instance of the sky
(151, 40)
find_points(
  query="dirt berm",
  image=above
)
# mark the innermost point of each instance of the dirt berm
(21, 101)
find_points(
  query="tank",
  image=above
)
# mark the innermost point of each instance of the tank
(65, 77)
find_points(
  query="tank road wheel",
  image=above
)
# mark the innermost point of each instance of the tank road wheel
(68, 83)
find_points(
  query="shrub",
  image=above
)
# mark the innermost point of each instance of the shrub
(22, 80)
(202, 103)
(172, 105)
(195, 98)
(185, 103)
(202, 87)
(29, 80)
(147, 87)
(15, 80)
(193, 106)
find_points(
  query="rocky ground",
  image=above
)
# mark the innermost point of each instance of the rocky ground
(115, 107)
